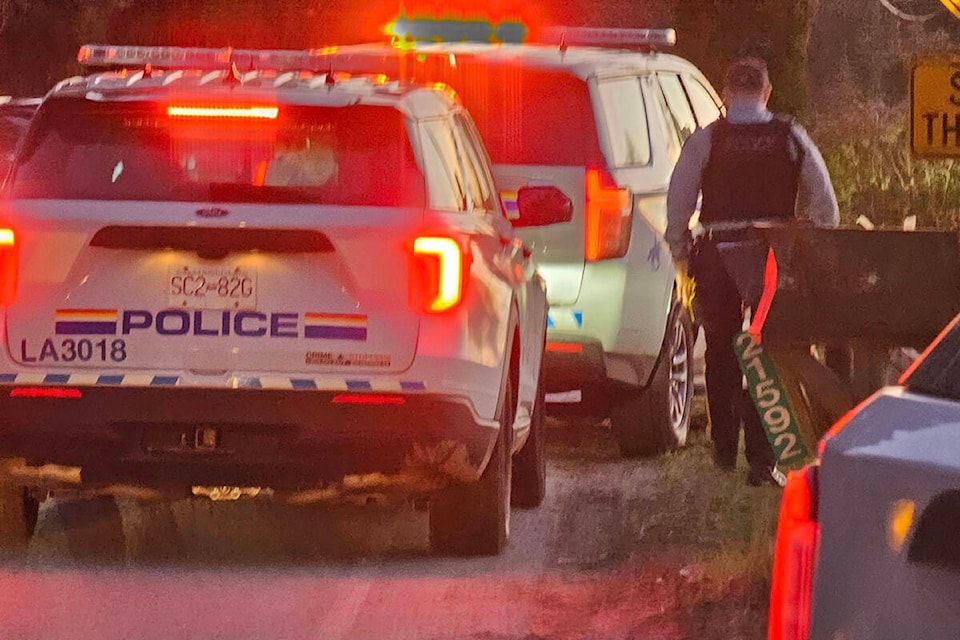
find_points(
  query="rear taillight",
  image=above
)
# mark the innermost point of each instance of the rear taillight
(564, 347)
(8, 267)
(794, 557)
(45, 392)
(609, 217)
(438, 274)
(368, 398)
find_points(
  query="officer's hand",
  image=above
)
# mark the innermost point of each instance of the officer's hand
(686, 286)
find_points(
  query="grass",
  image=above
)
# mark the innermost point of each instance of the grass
(724, 531)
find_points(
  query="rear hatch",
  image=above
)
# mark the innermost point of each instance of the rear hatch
(156, 243)
(539, 129)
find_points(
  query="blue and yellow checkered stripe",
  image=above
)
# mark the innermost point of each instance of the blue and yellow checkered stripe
(564, 318)
(239, 382)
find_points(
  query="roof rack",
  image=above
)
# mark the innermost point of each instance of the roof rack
(607, 37)
(114, 56)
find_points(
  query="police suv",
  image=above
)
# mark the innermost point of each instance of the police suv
(275, 280)
(600, 114)
(15, 114)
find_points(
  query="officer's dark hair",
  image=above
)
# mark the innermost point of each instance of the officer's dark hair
(747, 74)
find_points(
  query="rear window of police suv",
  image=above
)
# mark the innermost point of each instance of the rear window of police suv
(357, 155)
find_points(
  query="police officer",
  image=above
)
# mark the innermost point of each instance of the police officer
(750, 166)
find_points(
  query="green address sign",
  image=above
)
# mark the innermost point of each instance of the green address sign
(768, 393)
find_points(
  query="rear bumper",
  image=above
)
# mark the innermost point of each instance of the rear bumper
(283, 439)
(572, 362)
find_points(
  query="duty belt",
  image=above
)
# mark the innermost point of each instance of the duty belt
(737, 230)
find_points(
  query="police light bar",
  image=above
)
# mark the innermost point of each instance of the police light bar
(100, 55)
(600, 37)
(433, 30)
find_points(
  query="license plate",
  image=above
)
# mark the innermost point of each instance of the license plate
(197, 287)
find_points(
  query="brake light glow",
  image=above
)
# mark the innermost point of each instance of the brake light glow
(259, 112)
(930, 347)
(367, 398)
(794, 558)
(438, 274)
(9, 266)
(564, 347)
(609, 217)
(45, 392)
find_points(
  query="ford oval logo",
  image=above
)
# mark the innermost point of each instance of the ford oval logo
(212, 212)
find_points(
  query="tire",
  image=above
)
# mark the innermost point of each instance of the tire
(657, 419)
(473, 518)
(18, 517)
(530, 463)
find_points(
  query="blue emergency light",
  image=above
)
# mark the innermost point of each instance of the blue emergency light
(437, 30)
(434, 30)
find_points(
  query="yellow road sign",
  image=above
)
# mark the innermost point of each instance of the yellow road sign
(935, 109)
(953, 6)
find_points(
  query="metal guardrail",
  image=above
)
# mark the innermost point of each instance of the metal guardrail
(896, 287)
(862, 293)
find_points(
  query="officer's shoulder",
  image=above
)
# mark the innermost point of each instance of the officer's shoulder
(786, 121)
(789, 121)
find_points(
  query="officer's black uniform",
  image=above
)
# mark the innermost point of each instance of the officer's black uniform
(752, 173)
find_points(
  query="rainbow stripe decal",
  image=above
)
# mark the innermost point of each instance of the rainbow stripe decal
(335, 326)
(86, 322)
(509, 199)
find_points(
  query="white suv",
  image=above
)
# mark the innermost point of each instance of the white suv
(226, 283)
(605, 126)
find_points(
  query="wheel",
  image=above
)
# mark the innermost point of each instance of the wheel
(530, 463)
(657, 419)
(18, 517)
(473, 518)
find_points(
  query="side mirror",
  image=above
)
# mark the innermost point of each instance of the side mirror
(540, 206)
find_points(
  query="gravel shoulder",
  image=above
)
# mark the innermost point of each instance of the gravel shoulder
(597, 560)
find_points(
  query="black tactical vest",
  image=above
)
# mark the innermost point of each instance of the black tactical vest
(753, 172)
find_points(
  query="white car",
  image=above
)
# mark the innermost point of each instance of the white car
(15, 114)
(277, 280)
(600, 114)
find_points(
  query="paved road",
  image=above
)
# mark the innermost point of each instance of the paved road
(575, 568)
